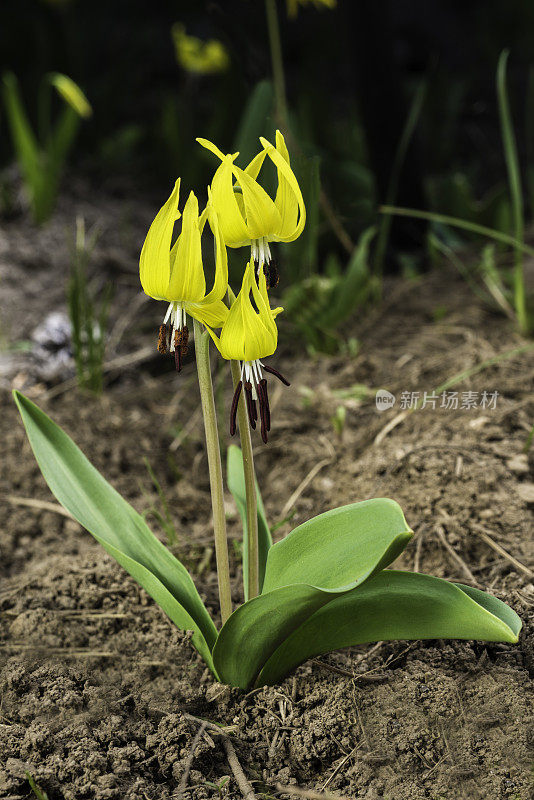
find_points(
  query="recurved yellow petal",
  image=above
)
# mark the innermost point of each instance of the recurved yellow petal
(212, 314)
(232, 223)
(262, 216)
(187, 282)
(220, 284)
(248, 334)
(289, 198)
(154, 262)
(256, 164)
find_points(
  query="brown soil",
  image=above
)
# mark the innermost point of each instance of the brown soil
(99, 693)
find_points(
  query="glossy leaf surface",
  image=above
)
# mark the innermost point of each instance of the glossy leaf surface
(340, 548)
(82, 490)
(322, 558)
(394, 605)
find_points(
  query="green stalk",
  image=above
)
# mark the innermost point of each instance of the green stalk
(277, 60)
(250, 489)
(516, 192)
(202, 350)
(393, 184)
(250, 481)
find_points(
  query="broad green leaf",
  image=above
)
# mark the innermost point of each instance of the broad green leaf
(236, 483)
(256, 629)
(80, 488)
(394, 605)
(341, 548)
(320, 559)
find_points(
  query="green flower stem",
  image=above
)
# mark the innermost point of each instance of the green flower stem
(202, 350)
(250, 480)
(250, 489)
(276, 59)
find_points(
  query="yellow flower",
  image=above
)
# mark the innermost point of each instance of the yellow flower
(247, 215)
(176, 273)
(293, 5)
(249, 334)
(198, 56)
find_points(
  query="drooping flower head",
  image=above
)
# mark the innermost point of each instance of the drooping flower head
(249, 335)
(247, 214)
(175, 272)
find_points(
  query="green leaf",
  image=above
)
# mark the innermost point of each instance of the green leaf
(320, 559)
(60, 143)
(80, 488)
(235, 477)
(341, 548)
(26, 146)
(353, 287)
(390, 606)
(254, 121)
(71, 93)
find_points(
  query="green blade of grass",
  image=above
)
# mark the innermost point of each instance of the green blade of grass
(516, 192)
(393, 185)
(455, 222)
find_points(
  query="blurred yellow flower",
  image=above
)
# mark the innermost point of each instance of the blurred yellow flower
(248, 335)
(293, 5)
(71, 93)
(176, 273)
(247, 215)
(196, 55)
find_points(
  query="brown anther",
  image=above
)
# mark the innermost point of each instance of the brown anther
(162, 339)
(251, 405)
(272, 276)
(233, 410)
(178, 349)
(185, 340)
(263, 387)
(277, 374)
(263, 411)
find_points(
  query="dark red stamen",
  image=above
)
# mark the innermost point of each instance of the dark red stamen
(233, 410)
(251, 405)
(277, 374)
(263, 411)
(263, 385)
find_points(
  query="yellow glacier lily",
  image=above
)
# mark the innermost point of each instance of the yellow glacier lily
(249, 335)
(175, 273)
(247, 214)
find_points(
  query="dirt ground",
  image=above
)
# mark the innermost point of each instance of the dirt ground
(100, 697)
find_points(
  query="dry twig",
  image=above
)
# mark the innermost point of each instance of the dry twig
(244, 786)
(440, 533)
(311, 794)
(39, 505)
(484, 535)
(302, 486)
(189, 761)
